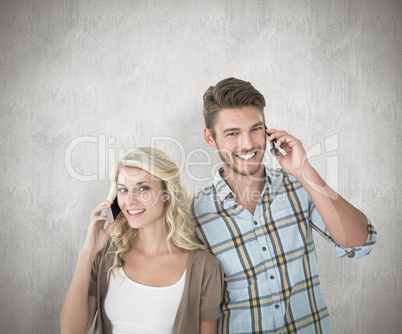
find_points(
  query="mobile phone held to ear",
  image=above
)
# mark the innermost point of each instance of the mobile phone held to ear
(273, 143)
(111, 212)
(115, 208)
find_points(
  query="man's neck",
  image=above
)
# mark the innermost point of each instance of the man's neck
(247, 188)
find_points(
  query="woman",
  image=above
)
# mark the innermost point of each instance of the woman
(149, 276)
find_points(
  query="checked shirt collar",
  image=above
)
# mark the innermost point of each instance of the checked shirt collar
(273, 183)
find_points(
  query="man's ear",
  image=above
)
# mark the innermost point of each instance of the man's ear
(208, 138)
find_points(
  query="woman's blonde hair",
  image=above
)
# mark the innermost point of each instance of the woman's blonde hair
(177, 213)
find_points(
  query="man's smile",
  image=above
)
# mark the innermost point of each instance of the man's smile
(246, 157)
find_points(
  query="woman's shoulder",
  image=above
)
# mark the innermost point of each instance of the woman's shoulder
(200, 256)
(106, 255)
(204, 267)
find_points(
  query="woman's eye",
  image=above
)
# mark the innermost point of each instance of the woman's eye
(144, 188)
(122, 190)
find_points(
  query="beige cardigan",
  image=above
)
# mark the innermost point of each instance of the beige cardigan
(202, 295)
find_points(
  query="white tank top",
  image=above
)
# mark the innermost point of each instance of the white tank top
(136, 308)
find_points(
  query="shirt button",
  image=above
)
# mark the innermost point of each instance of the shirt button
(272, 277)
(351, 253)
(264, 249)
(234, 206)
(276, 306)
(255, 223)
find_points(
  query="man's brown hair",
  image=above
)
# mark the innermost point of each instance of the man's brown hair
(230, 93)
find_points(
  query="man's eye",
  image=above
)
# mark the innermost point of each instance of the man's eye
(257, 128)
(232, 134)
(122, 190)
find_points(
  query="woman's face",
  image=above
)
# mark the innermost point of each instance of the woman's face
(141, 197)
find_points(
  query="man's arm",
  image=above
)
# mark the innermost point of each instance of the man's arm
(346, 224)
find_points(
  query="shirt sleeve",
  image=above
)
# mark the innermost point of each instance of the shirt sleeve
(212, 290)
(352, 252)
(198, 235)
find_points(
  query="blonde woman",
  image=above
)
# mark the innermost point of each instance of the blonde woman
(144, 273)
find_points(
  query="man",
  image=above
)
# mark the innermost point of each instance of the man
(258, 221)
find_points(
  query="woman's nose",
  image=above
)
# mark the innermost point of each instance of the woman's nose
(133, 196)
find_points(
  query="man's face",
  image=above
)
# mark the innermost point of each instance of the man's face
(240, 140)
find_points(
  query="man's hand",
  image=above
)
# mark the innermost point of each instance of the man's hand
(295, 158)
(346, 224)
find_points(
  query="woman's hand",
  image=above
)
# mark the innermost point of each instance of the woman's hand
(97, 237)
(79, 308)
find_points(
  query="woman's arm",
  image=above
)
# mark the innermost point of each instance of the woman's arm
(79, 308)
(211, 295)
(209, 327)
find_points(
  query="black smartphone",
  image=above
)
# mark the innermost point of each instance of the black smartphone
(111, 213)
(273, 143)
(115, 208)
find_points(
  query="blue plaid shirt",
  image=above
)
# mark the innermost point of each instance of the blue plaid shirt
(269, 258)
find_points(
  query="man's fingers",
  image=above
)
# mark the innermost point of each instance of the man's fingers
(273, 130)
(286, 139)
(278, 154)
(276, 135)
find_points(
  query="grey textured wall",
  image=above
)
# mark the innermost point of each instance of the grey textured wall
(81, 80)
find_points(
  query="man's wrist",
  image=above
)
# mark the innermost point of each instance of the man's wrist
(305, 172)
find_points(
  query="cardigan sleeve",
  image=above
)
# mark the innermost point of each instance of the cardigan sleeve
(212, 290)
(94, 274)
(93, 282)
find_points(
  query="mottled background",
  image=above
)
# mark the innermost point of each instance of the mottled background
(82, 81)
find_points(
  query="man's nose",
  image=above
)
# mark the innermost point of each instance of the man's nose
(246, 141)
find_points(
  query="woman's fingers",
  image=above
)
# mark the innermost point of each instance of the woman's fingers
(96, 215)
(104, 205)
(101, 218)
(110, 227)
(97, 223)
